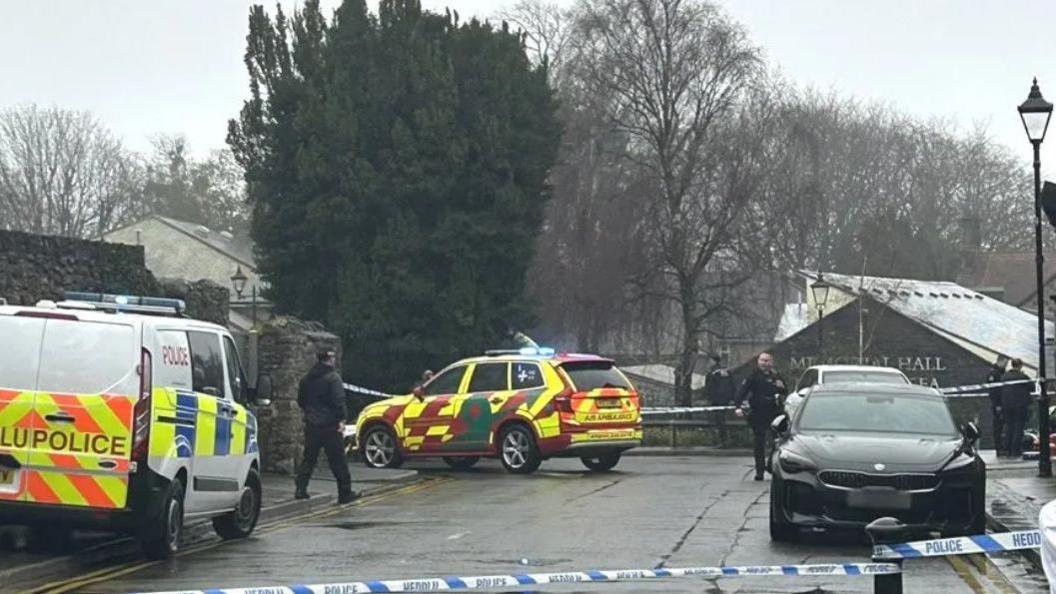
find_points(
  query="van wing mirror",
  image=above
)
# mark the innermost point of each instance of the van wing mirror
(780, 425)
(261, 395)
(971, 432)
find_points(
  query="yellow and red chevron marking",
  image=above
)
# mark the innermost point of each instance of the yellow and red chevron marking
(61, 460)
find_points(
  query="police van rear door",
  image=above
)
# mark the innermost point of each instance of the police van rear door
(87, 384)
(19, 361)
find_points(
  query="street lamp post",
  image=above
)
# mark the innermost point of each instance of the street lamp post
(820, 290)
(1035, 113)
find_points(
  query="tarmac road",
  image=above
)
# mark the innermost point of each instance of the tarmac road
(651, 511)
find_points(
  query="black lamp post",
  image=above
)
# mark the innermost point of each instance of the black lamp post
(1035, 113)
(820, 290)
(238, 281)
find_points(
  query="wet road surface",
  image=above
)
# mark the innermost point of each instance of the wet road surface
(650, 512)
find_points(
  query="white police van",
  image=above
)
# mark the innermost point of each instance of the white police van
(118, 413)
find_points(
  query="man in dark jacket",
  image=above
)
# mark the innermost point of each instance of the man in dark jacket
(761, 393)
(1015, 404)
(718, 387)
(997, 371)
(322, 398)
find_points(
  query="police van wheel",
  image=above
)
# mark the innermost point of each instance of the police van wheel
(380, 449)
(518, 451)
(461, 462)
(161, 536)
(241, 522)
(601, 463)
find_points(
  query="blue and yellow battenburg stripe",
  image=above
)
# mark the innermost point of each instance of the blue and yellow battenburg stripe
(196, 427)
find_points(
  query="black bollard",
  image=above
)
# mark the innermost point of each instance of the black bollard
(886, 531)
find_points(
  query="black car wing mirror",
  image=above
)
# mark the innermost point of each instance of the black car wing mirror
(780, 425)
(971, 432)
(261, 395)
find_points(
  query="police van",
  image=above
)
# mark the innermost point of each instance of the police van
(118, 413)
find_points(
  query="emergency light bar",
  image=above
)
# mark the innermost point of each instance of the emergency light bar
(124, 303)
(526, 351)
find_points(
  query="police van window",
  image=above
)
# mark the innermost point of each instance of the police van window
(207, 364)
(236, 379)
(526, 376)
(88, 358)
(172, 360)
(446, 383)
(489, 377)
(20, 351)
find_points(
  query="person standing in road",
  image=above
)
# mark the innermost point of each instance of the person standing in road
(997, 371)
(1015, 404)
(718, 387)
(321, 396)
(761, 392)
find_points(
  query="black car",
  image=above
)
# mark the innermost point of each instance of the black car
(857, 452)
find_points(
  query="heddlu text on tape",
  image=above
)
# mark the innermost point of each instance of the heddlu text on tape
(526, 579)
(961, 545)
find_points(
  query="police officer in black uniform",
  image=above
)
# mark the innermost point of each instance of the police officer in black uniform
(997, 371)
(761, 392)
(321, 396)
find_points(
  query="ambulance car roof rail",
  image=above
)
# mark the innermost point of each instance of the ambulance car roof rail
(157, 306)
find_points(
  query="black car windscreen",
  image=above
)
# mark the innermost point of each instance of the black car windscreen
(879, 413)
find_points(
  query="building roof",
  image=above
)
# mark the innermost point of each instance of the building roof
(1011, 272)
(795, 318)
(663, 374)
(978, 323)
(235, 247)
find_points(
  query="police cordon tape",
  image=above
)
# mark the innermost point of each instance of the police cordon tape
(961, 545)
(367, 391)
(439, 584)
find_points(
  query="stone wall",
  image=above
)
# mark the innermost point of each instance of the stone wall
(35, 267)
(287, 348)
(205, 299)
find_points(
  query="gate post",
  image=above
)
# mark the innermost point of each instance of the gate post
(886, 531)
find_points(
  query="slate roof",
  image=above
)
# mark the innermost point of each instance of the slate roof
(980, 323)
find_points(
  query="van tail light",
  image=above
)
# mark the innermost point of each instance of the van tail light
(141, 412)
(563, 401)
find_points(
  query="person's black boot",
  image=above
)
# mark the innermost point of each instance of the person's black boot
(301, 493)
(347, 497)
(759, 476)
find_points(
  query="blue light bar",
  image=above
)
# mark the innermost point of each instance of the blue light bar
(129, 303)
(537, 351)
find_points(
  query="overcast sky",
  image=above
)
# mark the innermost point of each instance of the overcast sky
(175, 66)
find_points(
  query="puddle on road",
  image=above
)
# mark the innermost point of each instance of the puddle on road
(356, 525)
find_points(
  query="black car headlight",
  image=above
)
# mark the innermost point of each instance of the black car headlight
(793, 462)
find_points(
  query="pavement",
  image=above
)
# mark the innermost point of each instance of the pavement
(651, 512)
(23, 560)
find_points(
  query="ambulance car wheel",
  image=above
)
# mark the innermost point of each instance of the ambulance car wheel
(161, 535)
(518, 451)
(380, 449)
(602, 462)
(461, 462)
(241, 522)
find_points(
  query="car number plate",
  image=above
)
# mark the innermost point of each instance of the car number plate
(7, 476)
(609, 403)
(878, 499)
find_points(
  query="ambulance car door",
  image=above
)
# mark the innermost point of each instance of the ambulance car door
(86, 387)
(175, 424)
(488, 392)
(19, 361)
(424, 420)
(211, 481)
(233, 412)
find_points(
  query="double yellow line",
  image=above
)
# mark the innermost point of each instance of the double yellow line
(107, 573)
